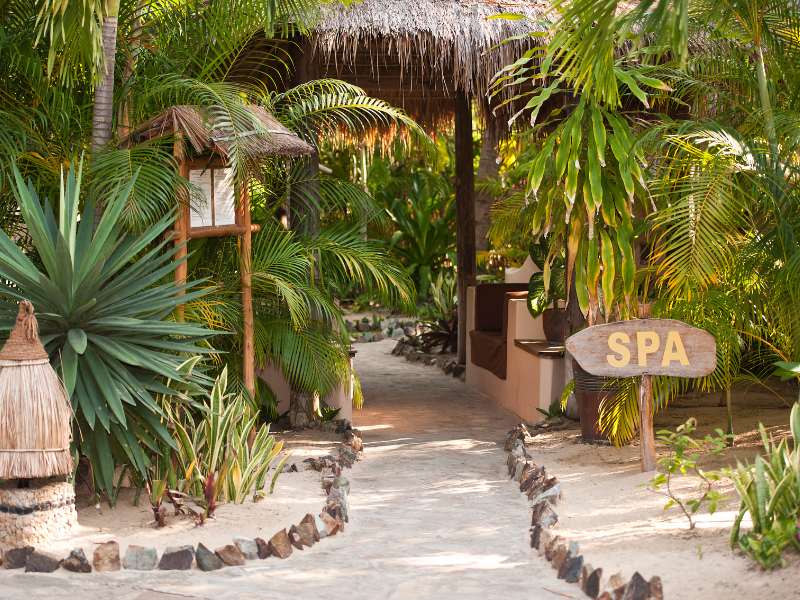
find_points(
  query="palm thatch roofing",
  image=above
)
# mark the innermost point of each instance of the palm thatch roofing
(256, 133)
(418, 54)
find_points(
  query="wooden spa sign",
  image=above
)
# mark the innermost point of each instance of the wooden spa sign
(643, 348)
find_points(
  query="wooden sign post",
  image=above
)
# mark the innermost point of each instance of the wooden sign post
(643, 348)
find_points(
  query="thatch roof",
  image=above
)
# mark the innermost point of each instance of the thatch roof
(418, 53)
(257, 132)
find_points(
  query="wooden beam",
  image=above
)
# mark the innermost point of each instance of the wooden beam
(245, 270)
(465, 214)
(196, 233)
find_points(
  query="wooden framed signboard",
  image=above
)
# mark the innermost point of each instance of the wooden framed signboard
(643, 348)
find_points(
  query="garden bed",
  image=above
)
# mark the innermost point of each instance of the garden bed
(298, 492)
(621, 526)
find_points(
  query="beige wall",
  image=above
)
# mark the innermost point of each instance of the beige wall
(341, 398)
(531, 382)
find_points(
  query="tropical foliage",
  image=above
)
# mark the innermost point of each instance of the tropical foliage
(78, 77)
(769, 490)
(218, 458)
(103, 299)
(420, 203)
(663, 159)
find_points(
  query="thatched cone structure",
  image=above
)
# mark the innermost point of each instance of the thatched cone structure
(35, 414)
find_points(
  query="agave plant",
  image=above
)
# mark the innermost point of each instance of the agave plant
(104, 301)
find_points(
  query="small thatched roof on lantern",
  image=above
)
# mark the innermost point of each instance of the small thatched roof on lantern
(418, 54)
(256, 133)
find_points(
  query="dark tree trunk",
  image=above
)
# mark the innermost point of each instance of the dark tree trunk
(465, 215)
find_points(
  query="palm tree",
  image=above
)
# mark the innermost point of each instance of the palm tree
(704, 90)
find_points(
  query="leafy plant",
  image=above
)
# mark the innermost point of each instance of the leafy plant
(441, 327)
(215, 452)
(684, 454)
(103, 301)
(547, 286)
(421, 206)
(769, 491)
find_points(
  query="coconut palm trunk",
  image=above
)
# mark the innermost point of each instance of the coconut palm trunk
(103, 110)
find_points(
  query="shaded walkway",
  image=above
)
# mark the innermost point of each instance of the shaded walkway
(432, 509)
(432, 514)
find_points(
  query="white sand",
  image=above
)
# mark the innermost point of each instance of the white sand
(432, 517)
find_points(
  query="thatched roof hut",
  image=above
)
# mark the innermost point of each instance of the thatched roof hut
(433, 58)
(257, 132)
(419, 54)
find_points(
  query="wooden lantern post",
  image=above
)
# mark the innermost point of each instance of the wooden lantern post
(643, 348)
(215, 177)
(201, 148)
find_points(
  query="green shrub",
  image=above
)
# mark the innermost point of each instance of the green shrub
(769, 491)
(103, 300)
(683, 460)
(223, 455)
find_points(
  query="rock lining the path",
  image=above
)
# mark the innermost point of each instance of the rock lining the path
(310, 530)
(544, 493)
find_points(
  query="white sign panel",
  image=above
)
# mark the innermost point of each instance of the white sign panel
(200, 205)
(215, 203)
(224, 205)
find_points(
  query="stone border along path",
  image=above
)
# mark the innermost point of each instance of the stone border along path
(308, 532)
(544, 492)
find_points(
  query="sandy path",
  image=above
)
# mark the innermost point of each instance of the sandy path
(433, 517)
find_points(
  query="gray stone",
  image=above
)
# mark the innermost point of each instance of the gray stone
(637, 589)
(39, 562)
(573, 548)
(551, 495)
(591, 586)
(15, 558)
(544, 514)
(77, 562)
(656, 588)
(206, 559)
(247, 546)
(519, 469)
(139, 558)
(106, 557)
(321, 526)
(177, 558)
(231, 555)
(263, 548)
(570, 571)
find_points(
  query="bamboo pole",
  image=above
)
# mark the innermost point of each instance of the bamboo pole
(181, 229)
(245, 269)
